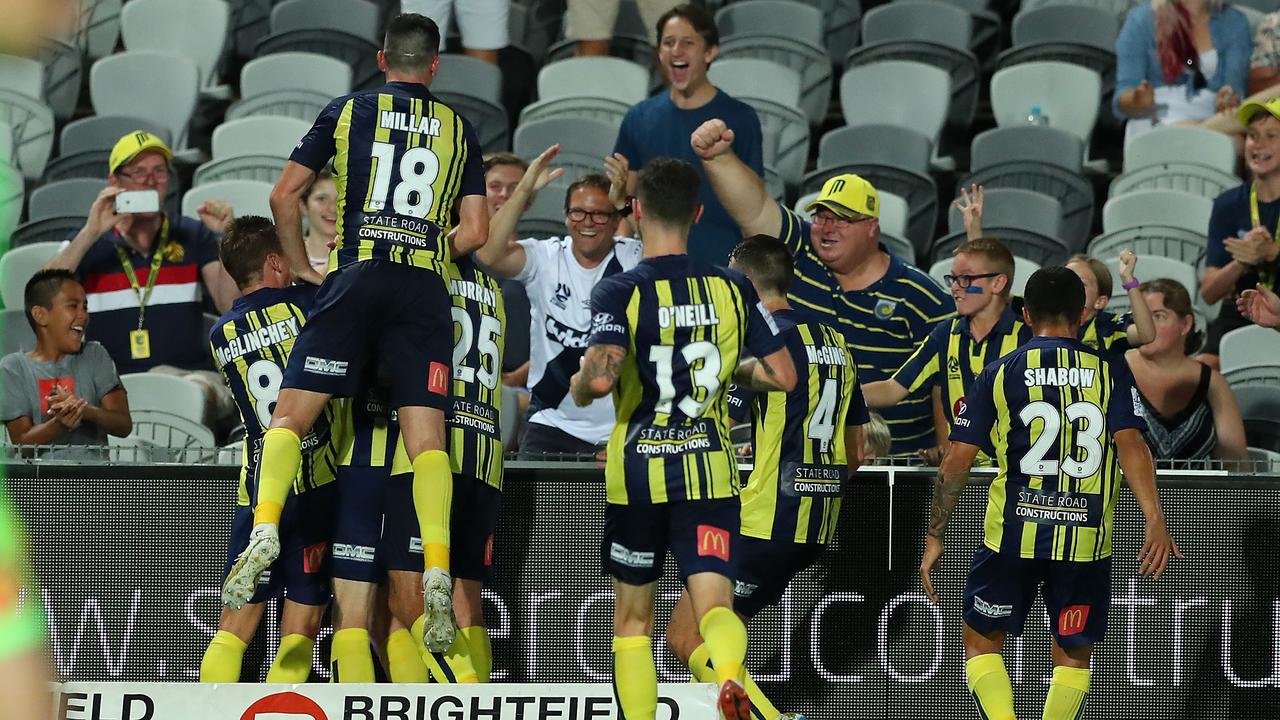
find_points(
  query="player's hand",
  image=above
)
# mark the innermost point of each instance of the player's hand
(933, 549)
(712, 139)
(1260, 305)
(1153, 558)
(216, 214)
(1128, 263)
(102, 213)
(970, 206)
(619, 171)
(1226, 99)
(932, 456)
(539, 174)
(69, 412)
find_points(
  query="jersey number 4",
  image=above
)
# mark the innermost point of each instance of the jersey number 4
(1088, 439)
(419, 168)
(486, 341)
(704, 363)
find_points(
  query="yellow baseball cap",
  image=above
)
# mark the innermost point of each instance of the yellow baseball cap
(130, 146)
(1248, 110)
(847, 195)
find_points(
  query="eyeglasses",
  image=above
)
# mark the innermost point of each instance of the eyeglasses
(158, 174)
(840, 223)
(598, 217)
(965, 281)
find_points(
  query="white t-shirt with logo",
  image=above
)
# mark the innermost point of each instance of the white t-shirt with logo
(559, 291)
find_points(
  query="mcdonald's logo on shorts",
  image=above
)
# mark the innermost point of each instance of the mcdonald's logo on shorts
(713, 542)
(438, 378)
(1072, 619)
(313, 557)
(285, 705)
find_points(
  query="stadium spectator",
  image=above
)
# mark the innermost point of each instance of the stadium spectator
(143, 273)
(1260, 305)
(1190, 410)
(1264, 76)
(66, 391)
(559, 273)
(590, 22)
(876, 439)
(1180, 61)
(1242, 248)
(660, 126)
(885, 307)
(320, 208)
(482, 23)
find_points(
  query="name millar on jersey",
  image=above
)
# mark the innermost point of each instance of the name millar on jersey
(392, 120)
(1075, 377)
(262, 337)
(825, 355)
(473, 291)
(688, 315)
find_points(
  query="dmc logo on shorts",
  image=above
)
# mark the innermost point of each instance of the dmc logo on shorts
(321, 366)
(415, 545)
(438, 378)
(1072, 619)
(313, 558)
(744, 590)
(630, 558)
(713, 542)
(354, 553)
(991, 610)
(285, 704)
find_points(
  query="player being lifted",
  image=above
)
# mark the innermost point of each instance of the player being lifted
(405, 165)
(251, 345)
(806, 442)
(1061, 421)
(671, 334)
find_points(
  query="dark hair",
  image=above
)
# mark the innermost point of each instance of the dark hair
(668, 191)
(766, 261)
(594, 180)
(1178, 299)
(1054, 294)
(42, 288)
(326, 173)
(412, 43)
(1101, 274)
(493, 160)
(703, 22)
(245, 245)
(998, 257)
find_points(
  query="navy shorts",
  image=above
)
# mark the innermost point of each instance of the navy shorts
(303, 569)
(357, 524)
(1001, 588)
(376, 310)
(702, 536)
(472, 522)
(765, 568)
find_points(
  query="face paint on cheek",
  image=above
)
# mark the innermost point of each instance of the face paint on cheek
(973, 290)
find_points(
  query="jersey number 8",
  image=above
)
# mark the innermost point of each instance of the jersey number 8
(1088, 439)
(264, 378)
(419, 168)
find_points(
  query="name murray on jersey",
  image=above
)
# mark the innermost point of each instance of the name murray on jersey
(473, 291)
(267, 336)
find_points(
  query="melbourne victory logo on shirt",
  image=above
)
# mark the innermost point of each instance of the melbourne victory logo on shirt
(561, 298)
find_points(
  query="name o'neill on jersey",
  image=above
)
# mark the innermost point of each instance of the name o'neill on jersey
(1059, 376)
(698, 436)
(686, 315)
(404, 122)
(272, 334)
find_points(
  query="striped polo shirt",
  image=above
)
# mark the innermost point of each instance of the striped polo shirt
(882, 324)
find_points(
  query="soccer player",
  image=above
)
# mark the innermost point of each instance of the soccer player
(984, 329)
(1062, 421)
(670, 334)
(805, 444)
(406, 165)
(251, 345)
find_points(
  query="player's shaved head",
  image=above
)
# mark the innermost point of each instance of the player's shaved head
(766, 261)
(668, 192)
(1054, 295)
(411, 43)
(42, 288)
(245, 246)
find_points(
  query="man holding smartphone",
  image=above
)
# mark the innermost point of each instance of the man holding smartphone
(143, 271)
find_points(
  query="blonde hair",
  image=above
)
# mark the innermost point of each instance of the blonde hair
(876, 437)
(1101, 273)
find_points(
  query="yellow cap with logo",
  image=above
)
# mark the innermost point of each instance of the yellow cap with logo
(131, 145)
(847, 195)
(1253, 107)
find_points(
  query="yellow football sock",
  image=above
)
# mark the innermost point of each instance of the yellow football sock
(222, 659)
(700, 665)
(760, 705)
(1066, 693)
(989, 684)
(404, 659)
(726, 639)
(281, 458)
(351, 660)
(635, 678)
(481, 650)
(293, 660)
(433, 501)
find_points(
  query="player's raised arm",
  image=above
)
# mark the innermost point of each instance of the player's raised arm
(597, 374)
(740, 189)
(1139, 472)
(502, 254)
(286, 198)
(953, 475)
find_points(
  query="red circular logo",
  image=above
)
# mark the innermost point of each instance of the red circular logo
(285, 703)
(958, 409)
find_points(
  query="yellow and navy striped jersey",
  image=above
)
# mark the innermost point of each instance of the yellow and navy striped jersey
(401, 160)
(375, 440)
(1048, 414)
(251, 345)
(684, 325)
(883, 324)
(479, 329)
(801, 462)
(950, 348)
(1108, 333)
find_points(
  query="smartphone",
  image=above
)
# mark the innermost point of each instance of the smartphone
(138, 201)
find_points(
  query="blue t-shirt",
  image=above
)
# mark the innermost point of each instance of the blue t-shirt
(657, 128)
(1230, 218)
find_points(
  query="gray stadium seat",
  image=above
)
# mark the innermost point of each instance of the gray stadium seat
(843, 20)
(62, 77)
(761, 17)
(15, 333)
(1077, 34)
(474, 89)
(1014, 208)
(10, 198)
(358, 17)
(186, 440)
(897, 92)
(297, 104)
(252, 148)
(918, 20)
(545, 217)
(576, 136)
(54, 229)
(810, 61)
(1175, 144)
(343, 29)
(18, 265)
(159, 86)
(32, 124)
(164, 393)
(250, 22)
(1119, 8)
(1027, 142)
(785, 135)
(65, 197)
(247, 197)
(984, 39)
(1068, 95)
(1152, 239)
(1249, 346)
(101, 132)
(292, 84)
(194, 29)
(756, 78)
(594, 77)
(1152, 207)
(603, 109)
(99, 28)
(1260, 408)
(22, 75)
(1190, 178)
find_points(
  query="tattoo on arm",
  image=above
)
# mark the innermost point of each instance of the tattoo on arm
(602, 361)
(749, 374)
(946, 494)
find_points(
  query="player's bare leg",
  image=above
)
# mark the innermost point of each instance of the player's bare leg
(726, 638)
(987, 677)
(298, 628)
(1070, 684)
(424, 439)
(296, 411)
(635, 675)
(456, 663)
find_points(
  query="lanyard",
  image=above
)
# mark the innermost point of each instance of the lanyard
(157, 258)
(1267, 276)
